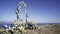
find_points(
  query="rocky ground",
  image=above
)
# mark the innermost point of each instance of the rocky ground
(46, 29)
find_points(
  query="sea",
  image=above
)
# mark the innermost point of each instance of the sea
(6, 24)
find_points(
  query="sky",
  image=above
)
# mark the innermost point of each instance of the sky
(40, 11)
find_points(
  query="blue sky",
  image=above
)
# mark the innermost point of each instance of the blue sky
(42, 11)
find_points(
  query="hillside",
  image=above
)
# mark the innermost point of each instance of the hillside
(46, 29)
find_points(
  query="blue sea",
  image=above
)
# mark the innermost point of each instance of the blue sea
(2, 24)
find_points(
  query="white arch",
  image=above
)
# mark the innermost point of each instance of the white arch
(22, 3)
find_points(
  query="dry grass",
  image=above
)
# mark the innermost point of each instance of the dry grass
(46, 29)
